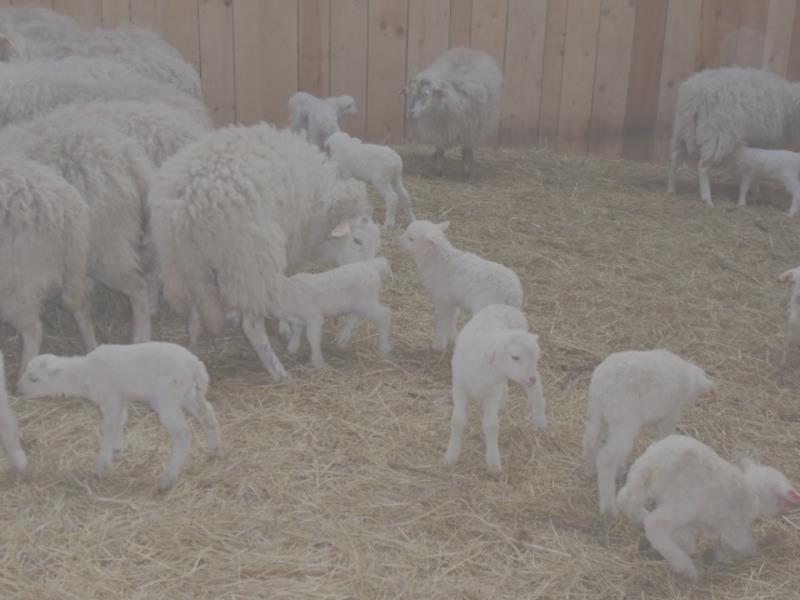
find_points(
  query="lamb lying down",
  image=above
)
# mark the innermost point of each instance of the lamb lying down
(167, 376)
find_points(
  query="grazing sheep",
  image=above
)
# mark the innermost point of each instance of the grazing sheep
(720, 110)
(456, 279)
(9, 432)
(680, 489)
(166, 376)
(781, 166)
(456, 102)
(379, 165)
(231, 213)
(629, 390)
(44, 230)
(352, 290)
(301, 104)
(493, 347)
(793, 276)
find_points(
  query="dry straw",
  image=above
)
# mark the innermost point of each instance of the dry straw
(332, 486)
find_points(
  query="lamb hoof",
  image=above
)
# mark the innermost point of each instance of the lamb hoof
(494, 468)
(385, 350)
(688, 571)
(540, 421)
(450, 458)
(20, 460)
(166, 483)
(100, 471)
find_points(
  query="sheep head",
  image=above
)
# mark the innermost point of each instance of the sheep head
(776, 494)
(423, 238)
(516, 355)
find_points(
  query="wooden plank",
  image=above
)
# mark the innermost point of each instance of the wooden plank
(178, 22)
(645, 75)
(349, 59)
(489, 34)
(315, 45)
(552, 72)
(778, 35)
(88, 13)
(523, 73)
(386, 70)
(577, 87)
(217, 59)
(115, 12)
(614, 48)
(793, 64)
(45, 3)
(460, 23)
(145, 13)
(681, 41)
(720, 20)
(428, 32)
(750, 34)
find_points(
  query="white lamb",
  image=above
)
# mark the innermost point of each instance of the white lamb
(680, 489)
(352, 290)
(167, 377)
(629, 390)
(9, 432)
(44, 247)
(720, 110)
(781, 166)
(231, 213)
(456, 102)
(372, 163)
(456, 279)
(793, 276)
(302, 103)
(493, 347)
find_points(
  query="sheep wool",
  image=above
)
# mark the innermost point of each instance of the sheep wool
(781, 166)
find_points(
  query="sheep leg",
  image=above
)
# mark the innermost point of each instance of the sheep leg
(686, 540)
(9, 435)
(382, 317)
(446, 317)
(153, 292)
(793, 186)
(253, 327)
(458, 421)
(610, 458)
(31, 333)
(536, 400)
(491, 429)
(118, 446)
(347, 330)
(203, 412)
(405, 198)
(705, 185)
(438, 157)
(78, 305)
(466, 161)
(113, 421)
(295, 336)
(675, 158)
(140, 309)
(658, 527)
(314, 337)
(744, 187)
(172, 418)
(390, 197)
(195, 327)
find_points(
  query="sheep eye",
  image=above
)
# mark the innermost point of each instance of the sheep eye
(515, 358)
(358, 241)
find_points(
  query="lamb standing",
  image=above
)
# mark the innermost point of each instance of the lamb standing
(456, 279)
(9, 432)
(694, 492)
(166, 376)
(493, 347)
(629, 390)
(231, 213)
(781, 166)
(793, 276)
(456, 102)
(327, 112)
(379, 165)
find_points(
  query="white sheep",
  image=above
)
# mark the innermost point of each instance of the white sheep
(781, 166)
(372, 163)
(455, 278)
(9, 432)
(166, 376)
(793, 276)
(456, 102)
(680, 489)
(493, 347)
(719, 110)
(627, 391)
(23, 27)
(231, 213)
(352, 290)
(44, 231)
(301, 104)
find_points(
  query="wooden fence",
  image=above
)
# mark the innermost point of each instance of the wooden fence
(582, 76)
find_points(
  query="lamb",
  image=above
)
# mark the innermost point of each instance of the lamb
(166, 376)
(352, 290)
(627, 391)
(372, 163)
(456, 279)
(720, 110)
(231, 212)
(782, 166)
(693, 492)
(793, 276)
(493, 347)
(9, 432)
(44, 230)
(301, 104)
(456, 102)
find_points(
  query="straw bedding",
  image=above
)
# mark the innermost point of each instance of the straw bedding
(332, 486)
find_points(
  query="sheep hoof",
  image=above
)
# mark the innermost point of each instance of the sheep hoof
(539, 421)
(166, 483)
(494, 468)
(100, 471)
(450, 458)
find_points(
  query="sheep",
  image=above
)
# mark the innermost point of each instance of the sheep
(793, 276)
(22, 27)
(679, 489)
(379, 165)
(627, 391)
(456, 279)
(719, 110)
(9, 432)
(166, 376)
(112, 174)
(301, 104)
(493, 347)
(44, 230)
(456, 102)
(352, 290)
(782, 166)
(231, 212)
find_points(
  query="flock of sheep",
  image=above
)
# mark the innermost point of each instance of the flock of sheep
(110, 172)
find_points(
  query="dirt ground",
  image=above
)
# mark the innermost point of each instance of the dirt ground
(333, 485)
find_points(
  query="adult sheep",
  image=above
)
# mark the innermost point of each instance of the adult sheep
(456, 102)
(231, 213)
(720, 110)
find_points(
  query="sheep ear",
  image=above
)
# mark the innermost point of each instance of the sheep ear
(443, 226)
(341, 230)
(787, 276)
(792, 496)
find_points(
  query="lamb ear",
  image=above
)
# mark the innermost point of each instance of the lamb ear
(787, 276)
(341, 230)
